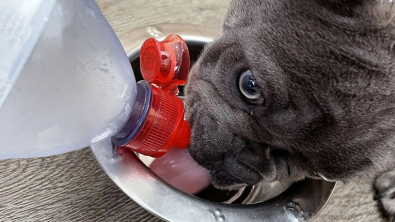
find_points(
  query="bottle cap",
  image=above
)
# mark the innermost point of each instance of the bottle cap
(157, 122)
(166, 61)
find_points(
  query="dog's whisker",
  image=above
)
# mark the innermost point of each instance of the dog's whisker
(282, 185)
(198, 30)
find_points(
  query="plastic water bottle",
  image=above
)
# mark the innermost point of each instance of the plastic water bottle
(66, 83)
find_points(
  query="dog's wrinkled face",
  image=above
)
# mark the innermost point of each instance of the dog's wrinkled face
(291, 89)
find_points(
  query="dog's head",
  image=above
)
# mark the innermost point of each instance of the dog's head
(292, 88)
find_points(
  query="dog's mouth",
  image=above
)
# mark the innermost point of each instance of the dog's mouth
(224, 181)
(234, 175)
(237, 166)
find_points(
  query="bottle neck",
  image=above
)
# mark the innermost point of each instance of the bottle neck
(137, 116)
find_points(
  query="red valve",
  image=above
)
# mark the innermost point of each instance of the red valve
(165, 63)
(164, 127)
(156, 129)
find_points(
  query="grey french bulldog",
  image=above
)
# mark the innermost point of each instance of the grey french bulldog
(297, 88)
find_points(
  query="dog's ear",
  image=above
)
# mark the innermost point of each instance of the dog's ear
(357, 13)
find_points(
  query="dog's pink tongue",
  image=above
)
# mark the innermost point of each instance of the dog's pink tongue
(178, 169)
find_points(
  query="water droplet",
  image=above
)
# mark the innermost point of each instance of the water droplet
(218, 215)
(296, 210)
(154, 31)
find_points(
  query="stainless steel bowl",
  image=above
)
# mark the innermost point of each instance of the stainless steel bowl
(275, 201)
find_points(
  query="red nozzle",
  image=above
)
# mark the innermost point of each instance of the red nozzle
(165, 62)
(157, 126)
(164, 127)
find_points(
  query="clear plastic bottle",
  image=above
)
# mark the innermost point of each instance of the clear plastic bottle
(66, 83)
(65, 80)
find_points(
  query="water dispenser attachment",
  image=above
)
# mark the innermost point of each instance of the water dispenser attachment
(157, 122)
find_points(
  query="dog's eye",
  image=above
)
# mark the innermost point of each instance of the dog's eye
(249, 88)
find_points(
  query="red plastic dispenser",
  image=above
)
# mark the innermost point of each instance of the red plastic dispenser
(157, 122)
